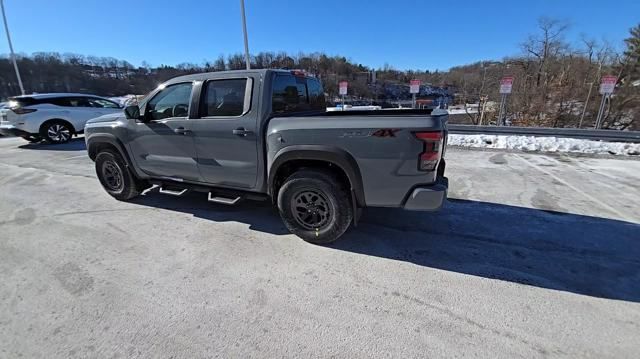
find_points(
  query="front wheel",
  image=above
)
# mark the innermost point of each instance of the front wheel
(115, 177)
(315, 206)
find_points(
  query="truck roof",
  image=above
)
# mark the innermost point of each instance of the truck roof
(216, 74)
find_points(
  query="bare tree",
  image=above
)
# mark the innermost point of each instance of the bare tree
(546, 44)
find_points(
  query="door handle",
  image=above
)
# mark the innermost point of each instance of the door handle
(241, 132)
(181, 131)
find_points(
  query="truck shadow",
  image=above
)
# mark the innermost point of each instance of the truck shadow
(260, 216)
(567, 252)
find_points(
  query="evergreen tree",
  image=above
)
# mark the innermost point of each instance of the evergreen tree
(631, 70)
(624, 111)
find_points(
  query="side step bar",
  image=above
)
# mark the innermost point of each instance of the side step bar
(172, 192)
(223, 200)
(214, 194)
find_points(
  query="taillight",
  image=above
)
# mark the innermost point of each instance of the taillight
(428, 159)
(22, 110)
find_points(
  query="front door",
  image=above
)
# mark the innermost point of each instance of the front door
(162, 143)
(226, 132)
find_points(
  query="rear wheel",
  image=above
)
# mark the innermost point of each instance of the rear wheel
(315, 206)
(115, 177)
(56, 132)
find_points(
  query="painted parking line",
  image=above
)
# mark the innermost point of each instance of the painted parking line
(577, 190)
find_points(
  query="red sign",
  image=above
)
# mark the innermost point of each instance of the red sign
(506, 83)
(343, 87)
(608, 84)
(414, 86)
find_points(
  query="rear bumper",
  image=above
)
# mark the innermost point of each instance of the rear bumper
(10, 130)
(428, 198)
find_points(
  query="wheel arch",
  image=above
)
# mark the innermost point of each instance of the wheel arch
(99, 142)
(292, 158)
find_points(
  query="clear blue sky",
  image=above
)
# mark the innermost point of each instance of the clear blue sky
(404, 33)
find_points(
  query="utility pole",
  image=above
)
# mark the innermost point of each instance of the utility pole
(586, 102)
(13, 55)
(246, 41)
(483, 104)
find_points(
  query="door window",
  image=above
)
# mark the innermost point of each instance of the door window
(60, 101)
(173, 101)
(100, 103)
(225, 98)
(316, 95)
(294, 94)
(288, 94)
(79, 102)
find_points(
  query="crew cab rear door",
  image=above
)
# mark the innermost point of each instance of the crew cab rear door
(226, 131)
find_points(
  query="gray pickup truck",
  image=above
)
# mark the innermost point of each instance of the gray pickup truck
(265, 134)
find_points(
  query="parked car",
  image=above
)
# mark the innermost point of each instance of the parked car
(54, 117)
(265, 134)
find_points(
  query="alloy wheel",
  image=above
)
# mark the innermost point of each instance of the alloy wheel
(58, 133)
(112, 175)
(311, 209)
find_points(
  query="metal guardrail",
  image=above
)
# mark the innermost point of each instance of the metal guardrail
(583, 133)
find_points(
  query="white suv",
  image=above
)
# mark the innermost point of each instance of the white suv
(54, 117)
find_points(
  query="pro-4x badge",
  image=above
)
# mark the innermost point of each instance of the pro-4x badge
(385, 132)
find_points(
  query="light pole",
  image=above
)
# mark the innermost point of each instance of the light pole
(13, 56)
(246, 42)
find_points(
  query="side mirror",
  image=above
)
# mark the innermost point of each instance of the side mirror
(132, 112)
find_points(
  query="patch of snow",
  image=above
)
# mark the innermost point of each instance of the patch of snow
(544, 144)
(461, 111)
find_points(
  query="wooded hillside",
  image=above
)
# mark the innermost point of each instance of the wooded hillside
(556, 82)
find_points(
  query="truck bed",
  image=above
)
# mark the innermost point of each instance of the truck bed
(381, 142)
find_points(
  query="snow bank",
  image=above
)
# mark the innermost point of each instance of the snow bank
(544, 144)
(461, 111)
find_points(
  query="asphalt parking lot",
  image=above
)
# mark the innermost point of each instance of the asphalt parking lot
(533, 256)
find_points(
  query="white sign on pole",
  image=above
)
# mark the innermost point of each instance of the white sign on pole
(343, 87)
(608, 84)
(506, 83)
(414, 86)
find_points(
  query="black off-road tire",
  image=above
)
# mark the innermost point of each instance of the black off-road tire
(56, 131)
(332, 200)
(115, 177)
